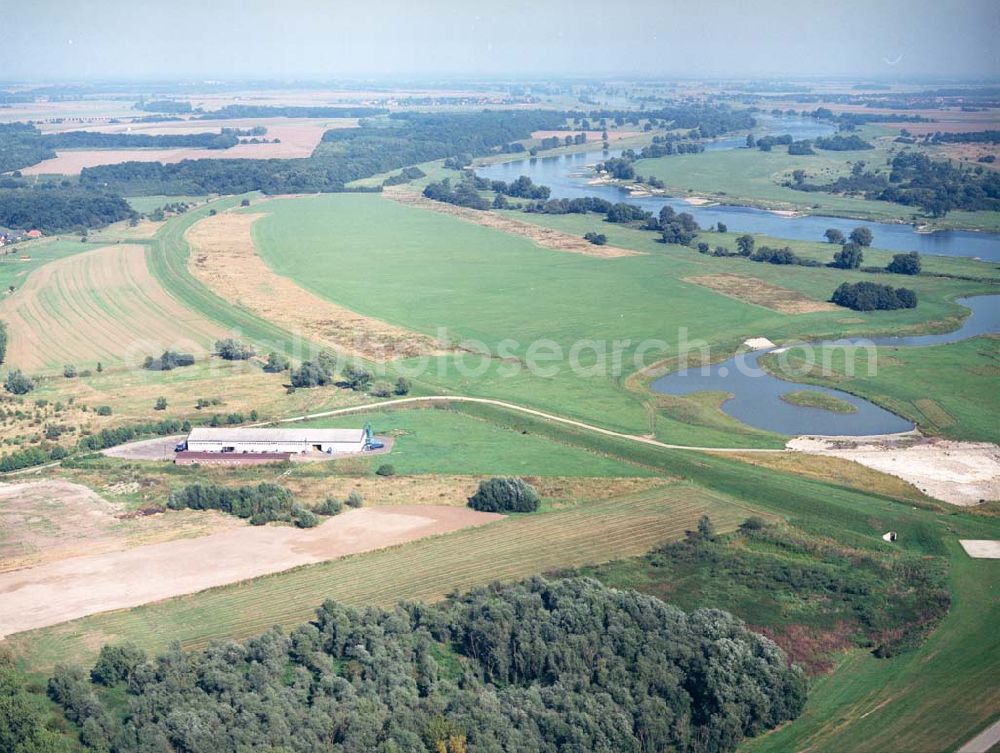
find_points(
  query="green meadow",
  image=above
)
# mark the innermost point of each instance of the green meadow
(448, 442)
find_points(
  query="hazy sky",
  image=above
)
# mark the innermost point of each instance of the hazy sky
(77, 39)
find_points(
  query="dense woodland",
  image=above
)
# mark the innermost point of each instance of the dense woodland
(57, 209)
(21, 145)
(566, 665)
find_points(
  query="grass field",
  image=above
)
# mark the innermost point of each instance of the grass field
(947, 390)
(512, 548)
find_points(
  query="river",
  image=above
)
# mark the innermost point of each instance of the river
(757, 394)
(567, 176)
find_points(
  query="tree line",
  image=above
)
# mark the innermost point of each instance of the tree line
(565, 665)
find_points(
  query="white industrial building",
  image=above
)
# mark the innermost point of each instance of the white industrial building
(273, 441)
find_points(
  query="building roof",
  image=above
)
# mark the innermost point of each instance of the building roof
(306, 436)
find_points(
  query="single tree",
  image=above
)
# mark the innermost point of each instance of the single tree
(905, 264)
(862, 236)
(834, 236)
(745, 244)
(849, 256)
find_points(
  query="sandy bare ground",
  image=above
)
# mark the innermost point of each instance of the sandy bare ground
(62, 591)
(47, 521)
(962, 473)
(544, 237)
(101, 305)
(298, 139)
(761, 293)
(223, 257)
(985, 549)
(160, 448)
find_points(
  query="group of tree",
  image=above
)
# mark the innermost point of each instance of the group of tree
(168, 361)
(870, 296)
(562, 665)
(225, 139)
(860, 236)
(598, 239)
(581, 205)
(765, 143)
(675, 227)
(117, 435)
(505, 494)
(841, 143)
(405, 175)
(171, 106)
(18, 383)
(232, 349)
(522, 188)
(261, 504)
(465, 194)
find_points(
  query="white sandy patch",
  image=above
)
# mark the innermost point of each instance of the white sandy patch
(698, 201)
(962, 473)
(758, 343)
(981, 549)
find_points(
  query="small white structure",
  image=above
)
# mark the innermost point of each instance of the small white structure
(266, 441)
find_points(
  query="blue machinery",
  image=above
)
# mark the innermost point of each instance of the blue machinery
(370, 442)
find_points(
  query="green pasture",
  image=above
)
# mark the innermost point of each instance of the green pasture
(449, 442)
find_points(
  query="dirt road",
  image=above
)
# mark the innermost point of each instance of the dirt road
(71, 588)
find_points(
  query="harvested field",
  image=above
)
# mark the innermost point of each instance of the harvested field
(516, 547)
(455, 490)
(47, 521)
(962, 473)
(102, 305)
(761, 293)
(544, 237)
(223, 258)
(61, 591)
(297, 139)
